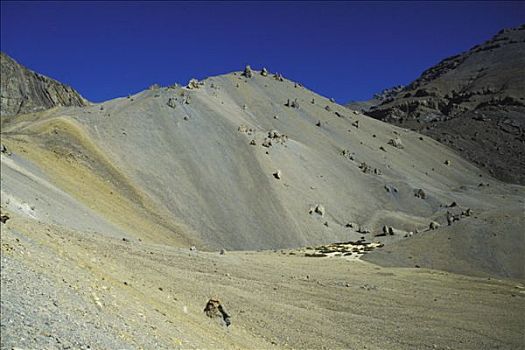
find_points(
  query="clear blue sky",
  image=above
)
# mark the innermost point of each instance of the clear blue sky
(347, 50)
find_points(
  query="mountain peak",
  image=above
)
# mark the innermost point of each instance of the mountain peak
(24, 91)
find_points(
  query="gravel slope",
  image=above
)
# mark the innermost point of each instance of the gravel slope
(69, 289)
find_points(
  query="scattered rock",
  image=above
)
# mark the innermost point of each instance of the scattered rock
(318, 123)
(318, 209)
(264, 72)
(396, 143)
(278, 77)
(313, 101)
(222, 252)
(3, 149)
(467, 212)
(247, 72)
(267, 143)
(154, 87)
(193, 84)
(172, 103)
(215, 310)
(448, 162)
(328, 108)
(277, 174)
(193, 248)
(450, 218)
(274, 134)
(434, 225)
(292, 104)
(419, 193)
(390, 188)
(367, 169)
(332, 100)
(356, 124)
(4, 218)
(252, 142)
(363, 229)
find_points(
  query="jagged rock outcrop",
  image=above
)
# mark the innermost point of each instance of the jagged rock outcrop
(473, 102)
(24, 91)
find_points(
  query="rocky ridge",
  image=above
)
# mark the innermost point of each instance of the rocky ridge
(24, 91)
(473, 102)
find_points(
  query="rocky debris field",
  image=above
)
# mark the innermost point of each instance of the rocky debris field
(64, 289)
(204, 215)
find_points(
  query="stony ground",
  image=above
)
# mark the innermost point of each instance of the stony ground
(103, 203)
(64, 289)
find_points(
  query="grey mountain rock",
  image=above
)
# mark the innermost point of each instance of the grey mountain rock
(473, 102)
(24, 91)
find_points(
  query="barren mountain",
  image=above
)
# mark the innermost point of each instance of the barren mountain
(473, 102)
(103, 202)
(24, 91)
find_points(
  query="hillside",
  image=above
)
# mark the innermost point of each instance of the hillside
(24, 91)
(473, 102)
(115, 214)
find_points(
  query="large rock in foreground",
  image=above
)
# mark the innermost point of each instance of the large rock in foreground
(24, 91)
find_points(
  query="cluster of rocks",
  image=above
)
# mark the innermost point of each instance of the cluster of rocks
(347, 154)
(244, 129)
(274, 136)
(419, 193)
(317, 209)
(367, 169)
(292, 104)
(278, 77)
(194, 84)
(387, 230)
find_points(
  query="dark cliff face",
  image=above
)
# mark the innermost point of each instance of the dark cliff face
(473, 102)
(24, 91)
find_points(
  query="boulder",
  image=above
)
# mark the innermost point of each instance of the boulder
(433, 225)
(247, 72)
(396, 143)
(193, 84)
(172, 103)
(215, 310)
(419, 193)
